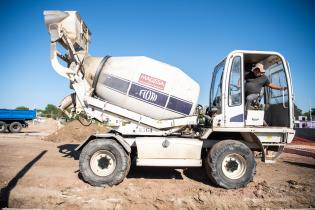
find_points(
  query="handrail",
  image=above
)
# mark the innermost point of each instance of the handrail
(283, 104)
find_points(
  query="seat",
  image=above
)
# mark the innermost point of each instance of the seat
(256, 103)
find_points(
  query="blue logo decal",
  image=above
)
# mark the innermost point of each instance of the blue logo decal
(148, 95)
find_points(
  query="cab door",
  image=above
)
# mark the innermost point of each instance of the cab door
(233, 94)
(277, 112)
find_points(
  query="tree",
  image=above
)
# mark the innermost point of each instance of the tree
(297, 111)
(51, 111)
(22, 108)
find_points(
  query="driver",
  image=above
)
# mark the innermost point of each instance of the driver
(255, 81)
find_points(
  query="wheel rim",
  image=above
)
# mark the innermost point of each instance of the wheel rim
(234, 166)
(103, 163)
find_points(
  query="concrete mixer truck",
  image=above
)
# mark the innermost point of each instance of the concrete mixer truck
(153, 112)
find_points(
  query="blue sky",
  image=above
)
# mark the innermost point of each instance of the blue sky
(192, 35)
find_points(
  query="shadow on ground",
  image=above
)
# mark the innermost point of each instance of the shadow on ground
(69, 151)
(306, 165)
(5, 191)
(198, 174)
(148, 172)
(21, 132)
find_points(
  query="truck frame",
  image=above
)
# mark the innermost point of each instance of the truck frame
(223, 137)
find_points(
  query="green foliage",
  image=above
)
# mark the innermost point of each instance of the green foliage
(297, 111)
(22, 108)
(51, 111)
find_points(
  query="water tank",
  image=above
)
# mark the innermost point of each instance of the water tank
(143, 85)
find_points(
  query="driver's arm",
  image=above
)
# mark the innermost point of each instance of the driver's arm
(276, 87)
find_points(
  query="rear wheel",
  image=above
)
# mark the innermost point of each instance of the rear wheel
(230, 164)
(103, 162)
(15, 127)
(3, 127)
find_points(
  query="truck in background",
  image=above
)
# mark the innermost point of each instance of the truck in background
(14, 120)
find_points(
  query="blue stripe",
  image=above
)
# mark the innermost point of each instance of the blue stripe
(117, 84)
(148, 95)
(179, 105)
(237, 118)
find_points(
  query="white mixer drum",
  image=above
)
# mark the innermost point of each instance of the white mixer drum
(146, 86)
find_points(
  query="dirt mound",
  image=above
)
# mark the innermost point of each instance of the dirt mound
(75, 132)
(45, 127)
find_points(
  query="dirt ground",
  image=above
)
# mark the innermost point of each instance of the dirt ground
(39, 169)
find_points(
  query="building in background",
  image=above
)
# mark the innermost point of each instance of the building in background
(305, 122)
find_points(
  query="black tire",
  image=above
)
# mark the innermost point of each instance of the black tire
(114, 155)
(15, 127)
(3, 127)
(230, 164)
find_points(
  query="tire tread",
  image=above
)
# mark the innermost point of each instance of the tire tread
(118, 175)
(214, 155)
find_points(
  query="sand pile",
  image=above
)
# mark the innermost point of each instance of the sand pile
(45, 127)
(75, 132)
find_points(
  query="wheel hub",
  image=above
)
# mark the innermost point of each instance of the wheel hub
(231, 165)
(103, 163)
(234, 166)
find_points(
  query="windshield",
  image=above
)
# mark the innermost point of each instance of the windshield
(216, 85)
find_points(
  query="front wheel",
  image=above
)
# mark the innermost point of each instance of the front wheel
(103, 162)
(230, 164)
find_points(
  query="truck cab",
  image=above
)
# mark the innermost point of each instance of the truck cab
(227, 93)
(269, 125)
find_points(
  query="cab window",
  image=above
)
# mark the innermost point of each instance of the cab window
(216, 87)
(235, 95)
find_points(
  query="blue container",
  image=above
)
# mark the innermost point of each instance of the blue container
(17, 115)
